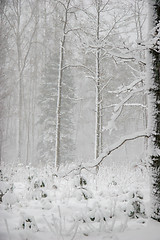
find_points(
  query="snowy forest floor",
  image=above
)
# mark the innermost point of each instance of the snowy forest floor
(39, 204)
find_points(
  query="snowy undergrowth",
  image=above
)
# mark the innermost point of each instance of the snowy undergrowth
(39, 201)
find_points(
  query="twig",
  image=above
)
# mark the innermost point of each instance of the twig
(49, 226)
(6, 223)
(76, 229)
(60, 222)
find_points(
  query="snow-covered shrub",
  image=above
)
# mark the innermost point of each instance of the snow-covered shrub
(82, 181)
(1, 175)
(38, 183)
(28, 222)
(1, 195)
(37, 189)
(9, 198)
(136, 206)
(4, 186)
(83, 200)
(82, 191)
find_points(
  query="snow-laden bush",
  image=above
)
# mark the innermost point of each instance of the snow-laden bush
(87, 201)
(28, 222)
(9, 199)
(37, 189)
(136, 206)
(4, 187)
(7, 195)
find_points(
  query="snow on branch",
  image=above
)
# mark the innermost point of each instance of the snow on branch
(115, 146)
(128, 97)
(118, 109)
(107, 151)
(123, 89)
(127, 57)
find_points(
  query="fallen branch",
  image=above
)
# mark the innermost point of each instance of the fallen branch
(107, 151)
(117, 145)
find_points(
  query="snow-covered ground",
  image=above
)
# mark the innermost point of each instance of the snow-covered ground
(114, 204)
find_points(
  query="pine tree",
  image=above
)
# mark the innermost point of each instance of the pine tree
(47, 103)
(47, 121)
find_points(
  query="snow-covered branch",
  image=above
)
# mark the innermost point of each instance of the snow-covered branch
(115, 146)
(118, 108)
(128, 97)
(108, 150)
(129, 87)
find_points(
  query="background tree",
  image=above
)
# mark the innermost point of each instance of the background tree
(56, 96)
(3, 41)
(8, 91)
(96, 58)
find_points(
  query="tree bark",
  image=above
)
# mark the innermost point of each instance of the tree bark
(154, 107)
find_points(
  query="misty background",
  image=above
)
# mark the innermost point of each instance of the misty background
(71, 80)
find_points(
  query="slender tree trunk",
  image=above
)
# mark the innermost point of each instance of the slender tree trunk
(154, 108)
(2, 60)
(1, 148)
(59, 89)
(34, 87)
(98, 114)
(22, 57)
(58, 109)
(98, 90)
(20, 79)
(139, 25)
(20, 113)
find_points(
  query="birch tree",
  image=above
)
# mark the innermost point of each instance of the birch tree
(98, 113)
(131, 95)
(66, 6)
(101, 37)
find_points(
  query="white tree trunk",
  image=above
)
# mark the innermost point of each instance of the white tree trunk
(58, 109)
(59, 88)
(98, 114)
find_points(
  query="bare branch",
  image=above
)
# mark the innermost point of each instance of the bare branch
(118, 108)
(11, 25)
(129, 87)
(78, 66)
(28, 51)
(117, 145)
(103, 7)
(62, 4)
(128, 58)
(109, 150)
(29, 20)
(72, 30)
(105, 85)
